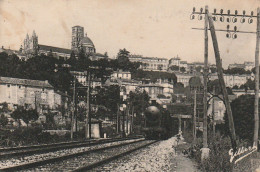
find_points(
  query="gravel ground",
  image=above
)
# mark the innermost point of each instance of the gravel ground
(74, 163)
(33, 158)
(157, 157)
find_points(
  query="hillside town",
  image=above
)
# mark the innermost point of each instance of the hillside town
(84, 87)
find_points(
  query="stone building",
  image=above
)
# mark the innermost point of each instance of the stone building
(150, 63)
(32, 47)
(28, 93)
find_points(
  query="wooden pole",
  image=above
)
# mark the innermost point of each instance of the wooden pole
(73, 109)
(205, 76)
(213, 112)
(88, 109)
(222, 83)
(256, 115)
(194, 116)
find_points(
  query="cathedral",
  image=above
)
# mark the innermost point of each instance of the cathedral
(79, 42)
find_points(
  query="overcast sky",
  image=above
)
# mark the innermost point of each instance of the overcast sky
(148, 27)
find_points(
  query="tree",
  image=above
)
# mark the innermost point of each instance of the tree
(239, 71)
(25, 115)
(50, 122)
(17, 114)
(182, 69)
(3, 120)
(174, 68)
(29, 115)
(243, 117)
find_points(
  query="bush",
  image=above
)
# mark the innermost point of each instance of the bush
(218, 158)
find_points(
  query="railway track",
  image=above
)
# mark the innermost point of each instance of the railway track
(37, 149)
(83, 160)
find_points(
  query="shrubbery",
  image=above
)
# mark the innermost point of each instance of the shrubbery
(218, 158)
(28, 136)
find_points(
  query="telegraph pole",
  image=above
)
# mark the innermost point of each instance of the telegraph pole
(73, 109)
(194, 116)
(233, 18)
(213, 112)
(205, 149)
(256, 115)
(222, 83)
(87, 126)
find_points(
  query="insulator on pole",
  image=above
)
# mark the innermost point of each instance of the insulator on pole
(234, 36)
(222, 19)
(192, 16)
(228, 19)
(234, 20)
(228, 35)
(228, 27)
(228, 12)
(242, 20)
(250, 20)
(235, 28)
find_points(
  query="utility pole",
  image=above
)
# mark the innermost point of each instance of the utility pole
(213, 112)
(73, 109)
(205, 149)
(256, 115)
(87, 126)
(232, 18)
(222, 83)
(194, 116)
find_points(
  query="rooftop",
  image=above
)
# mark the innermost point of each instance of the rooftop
(25, 82)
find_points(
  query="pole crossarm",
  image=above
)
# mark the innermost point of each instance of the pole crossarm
(223, 30)
(231, 15)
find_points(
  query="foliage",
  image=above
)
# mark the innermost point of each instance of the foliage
(182, 69)
(243, 117)
(50, 122)
(174, 68)
(153, 75)
(239, 71)
(28, 136)
(109, 97)
(3, 120)
(139, 101)
(215, 84)
(4, 108)
(24, 114)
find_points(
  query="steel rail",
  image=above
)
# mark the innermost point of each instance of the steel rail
(61, 158)
(109, 159)
(56, 147)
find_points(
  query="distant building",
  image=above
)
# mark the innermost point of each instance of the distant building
(31, 46)
(121, 75)
(184, 78)
(217, 108)
(150, 63)
(232, 80)
(246, 65)
(28, 93)
(174, 61)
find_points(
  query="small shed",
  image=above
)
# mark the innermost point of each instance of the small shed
(96, 127)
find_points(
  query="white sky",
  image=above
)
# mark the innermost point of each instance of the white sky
(148, 27)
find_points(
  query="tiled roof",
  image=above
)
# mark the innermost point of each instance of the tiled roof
(54, 49)
(25, 82)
